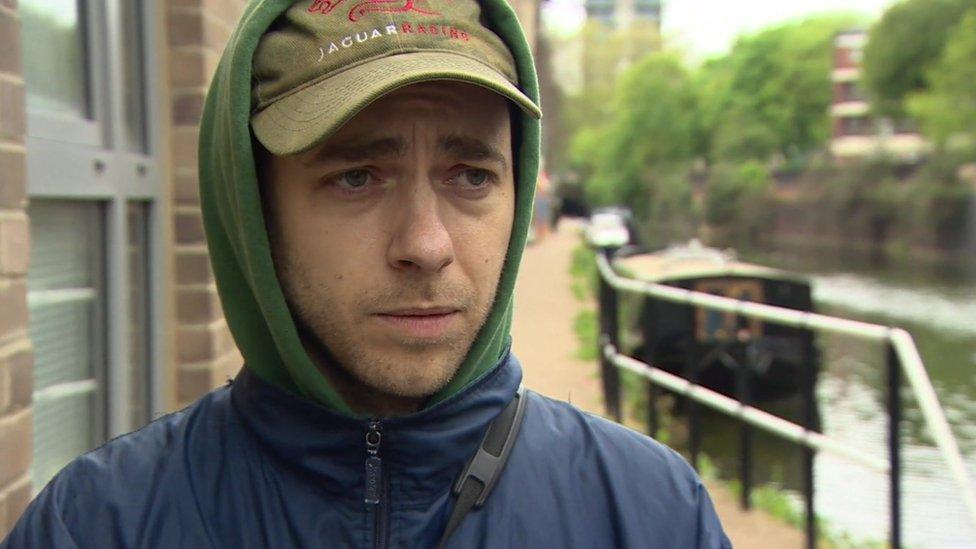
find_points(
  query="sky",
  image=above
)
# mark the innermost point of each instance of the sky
(705, 28)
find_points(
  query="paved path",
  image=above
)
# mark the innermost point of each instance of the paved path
(543, 340)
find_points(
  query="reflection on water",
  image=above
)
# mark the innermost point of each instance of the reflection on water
(940, 312)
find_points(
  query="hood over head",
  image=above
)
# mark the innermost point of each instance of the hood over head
(253, 302)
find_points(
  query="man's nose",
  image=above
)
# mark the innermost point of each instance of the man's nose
(421, 241)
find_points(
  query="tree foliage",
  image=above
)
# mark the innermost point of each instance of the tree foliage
(948, 107)
(907, 40)
(736, 194)
(641, 154)
(771, 93)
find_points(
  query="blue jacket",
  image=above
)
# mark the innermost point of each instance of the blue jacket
(250, 465)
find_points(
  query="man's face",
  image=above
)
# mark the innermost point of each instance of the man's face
(390, 236)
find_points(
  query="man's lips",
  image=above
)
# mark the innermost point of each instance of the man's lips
(421, 322)
(420, 311)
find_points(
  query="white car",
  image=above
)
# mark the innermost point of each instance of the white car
(607, 230)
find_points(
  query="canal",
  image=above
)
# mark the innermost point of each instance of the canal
(937, 304)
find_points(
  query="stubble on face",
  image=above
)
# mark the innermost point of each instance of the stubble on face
(329, 330)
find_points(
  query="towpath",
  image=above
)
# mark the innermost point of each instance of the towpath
(544, 342)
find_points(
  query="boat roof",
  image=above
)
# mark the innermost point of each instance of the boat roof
(696, 261)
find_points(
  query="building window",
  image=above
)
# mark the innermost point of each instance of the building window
(91, 177)
(856, 125)
(66, 301)
(54, 60)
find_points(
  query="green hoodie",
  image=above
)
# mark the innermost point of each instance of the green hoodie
(253, 301)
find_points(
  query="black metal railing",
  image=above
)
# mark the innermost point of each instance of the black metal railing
(609, 315)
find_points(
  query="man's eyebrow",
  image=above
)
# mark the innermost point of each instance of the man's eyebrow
(357, 150)
(471, 148)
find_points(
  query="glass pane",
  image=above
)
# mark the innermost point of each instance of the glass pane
(63, 430)
(64, 296)
(134, 70)
(139, 326)
(54, 60)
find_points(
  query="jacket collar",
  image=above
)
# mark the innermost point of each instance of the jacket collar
(423, 451)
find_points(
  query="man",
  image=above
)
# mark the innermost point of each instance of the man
(367, 173)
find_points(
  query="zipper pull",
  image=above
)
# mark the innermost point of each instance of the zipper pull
(374, 465)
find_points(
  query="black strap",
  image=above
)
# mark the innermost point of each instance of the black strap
(481, 473)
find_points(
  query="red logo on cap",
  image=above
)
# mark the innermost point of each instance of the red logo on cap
(369, 6)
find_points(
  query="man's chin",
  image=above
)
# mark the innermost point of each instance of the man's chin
(405, 376)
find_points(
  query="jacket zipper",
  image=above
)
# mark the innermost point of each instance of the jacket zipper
(376, 483)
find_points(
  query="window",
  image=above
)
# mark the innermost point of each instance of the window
(66, 302)
(54, 61)
(94, 194)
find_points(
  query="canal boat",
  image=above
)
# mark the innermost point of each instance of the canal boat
(743, 358)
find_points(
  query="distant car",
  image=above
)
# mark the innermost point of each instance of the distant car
(608, 229)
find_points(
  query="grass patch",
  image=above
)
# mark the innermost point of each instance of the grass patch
(583, 270)
(586, 325)
(776, 503)
(586, 330)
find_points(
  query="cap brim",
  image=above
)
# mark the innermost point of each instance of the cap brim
(297, 122)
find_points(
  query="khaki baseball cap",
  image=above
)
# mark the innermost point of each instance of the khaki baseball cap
(323, 61)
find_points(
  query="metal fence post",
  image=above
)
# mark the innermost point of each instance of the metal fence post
(894, 421)
(743, 380)
(609, 333)
(647, 327)
(694, 437)
(809, 421)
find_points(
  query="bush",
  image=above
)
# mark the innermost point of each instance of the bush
(736, 196)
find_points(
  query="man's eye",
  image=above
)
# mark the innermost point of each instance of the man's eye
(353, 179)
(473, 177)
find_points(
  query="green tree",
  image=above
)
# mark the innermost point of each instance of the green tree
(640, 157)
(903, 45)
(948, 107)
(771, 93)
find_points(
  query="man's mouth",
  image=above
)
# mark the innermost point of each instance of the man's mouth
(421, 322)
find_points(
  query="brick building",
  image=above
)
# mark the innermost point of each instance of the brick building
(856, 133)
(109, 313)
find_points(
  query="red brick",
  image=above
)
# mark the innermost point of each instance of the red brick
(198, 306)
(186, 189)
(13, 115)
(193, 384)
(188, 109)
(13, 303)
(188, 228)
(195, 345)
(14, 245)
(13, 183)
(10, 61)
(193, 268)
(187, 68)
(185, 28)
(16, 432)
(185, 141)
(21, 368)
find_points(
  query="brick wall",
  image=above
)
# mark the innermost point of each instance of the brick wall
(16, 355)
(205, 353)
